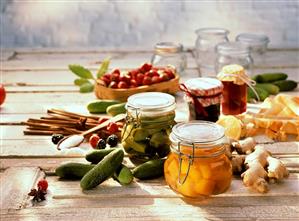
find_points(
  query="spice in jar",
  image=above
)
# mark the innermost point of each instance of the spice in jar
(235, 81)
(197, 165)
(203, 96)
(150, 117)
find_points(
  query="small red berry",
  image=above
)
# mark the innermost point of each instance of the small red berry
(133, 83)
(93, 140)
(115, 77)
(170, 74)
(113, 84)
(116, 71)
(155, 79)
(122, 84)
(164, 77)
(2, 94)
(146, 67)
(42, 185)
(112, 128)
(147, 81)
(149, 74)
(139, 78)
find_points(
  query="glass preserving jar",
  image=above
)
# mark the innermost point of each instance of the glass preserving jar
(234, 53)
(207, 39)
(169, 53)
(235, 82)
(150, 117)
(257, 44)
(197, 165)
(203, 96)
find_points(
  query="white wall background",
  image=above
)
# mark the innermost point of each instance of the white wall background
(74, 23)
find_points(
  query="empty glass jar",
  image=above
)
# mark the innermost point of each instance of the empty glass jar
(234, 53)
(169, 53)
(257, 44)
(207, 39)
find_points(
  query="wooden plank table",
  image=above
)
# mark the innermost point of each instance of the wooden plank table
(38, 79)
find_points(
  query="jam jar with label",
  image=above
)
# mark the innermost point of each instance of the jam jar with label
(203, 96)
(197, 165)
(150, 117)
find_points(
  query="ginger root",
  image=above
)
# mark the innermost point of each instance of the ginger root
(237, 163)
(256, 176)
(245, 146)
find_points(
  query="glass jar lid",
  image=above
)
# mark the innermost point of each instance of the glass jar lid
(197, 132)
(150, 101)
(168, 47)
(232, 48)
(253, 39)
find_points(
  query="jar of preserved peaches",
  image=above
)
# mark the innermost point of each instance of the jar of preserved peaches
(150, 117)
(235, 82)
(197, 165)
(203, 96)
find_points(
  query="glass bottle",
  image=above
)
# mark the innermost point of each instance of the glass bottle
(169, 53)
(150, 117)
(207, 39)
(197, 165)
(234, 53)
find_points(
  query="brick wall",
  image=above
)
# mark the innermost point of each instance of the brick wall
(71, 23)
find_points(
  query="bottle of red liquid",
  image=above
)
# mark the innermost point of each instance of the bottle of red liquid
(234, 95)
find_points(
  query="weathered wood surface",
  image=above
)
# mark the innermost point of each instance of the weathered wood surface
(38, 79)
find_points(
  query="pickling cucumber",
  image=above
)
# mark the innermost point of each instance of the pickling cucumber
(103, 170)
(270, 87)
(286, 85)
(100, 106)
(150, 169)
(96, 156)
(269, 77)
(116, 109)
(73, 170)
(263, 94)
(123, 175)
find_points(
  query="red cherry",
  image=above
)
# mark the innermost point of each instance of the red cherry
(2, 94)
(147, 81)
(156, 79)
(93, 140)
(112, 128)
(113, 84)
(122, 84)
(139, 78)
(42, 185)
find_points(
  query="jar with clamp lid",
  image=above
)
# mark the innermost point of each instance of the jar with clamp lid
(150, 117)
(197, 165)
(169, 53)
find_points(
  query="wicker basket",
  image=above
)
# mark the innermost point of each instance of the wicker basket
(102, 92)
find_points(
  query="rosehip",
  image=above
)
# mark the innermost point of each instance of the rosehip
(155, 73)
(122, 84)
(93, 140)
(155, 79)
(115, 77)
(147, 81)
(112, 128)
(139, 78)
(113, 84)
(133, 83)
(148, 74)
(164, 77)
(146, 67)
(125, 78)
(116, 71)
(170, 74)
(42, 185)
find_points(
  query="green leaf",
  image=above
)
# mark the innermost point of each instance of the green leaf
(81, 71)
(80, 81)
(86, 88)
(104, 68)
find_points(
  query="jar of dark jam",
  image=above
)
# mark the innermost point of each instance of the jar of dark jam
(203, 96)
